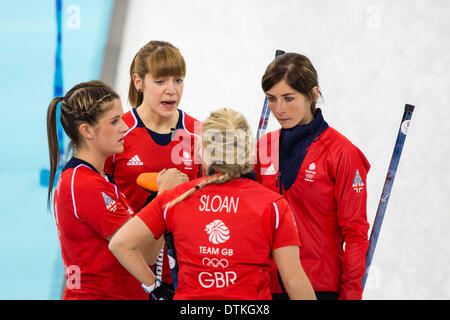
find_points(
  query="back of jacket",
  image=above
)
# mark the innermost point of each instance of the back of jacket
(224, 236)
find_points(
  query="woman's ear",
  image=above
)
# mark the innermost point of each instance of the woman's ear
(315, 91)
(86, 131)
(138, 82)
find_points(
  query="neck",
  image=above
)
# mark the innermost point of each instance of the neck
(95, 159)
(308, 118)
(155, 121)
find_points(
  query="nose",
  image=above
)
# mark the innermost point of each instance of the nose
(170, 88)
(124, 127)
(277, 107)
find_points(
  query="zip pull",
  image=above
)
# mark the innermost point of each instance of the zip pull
(278, 183)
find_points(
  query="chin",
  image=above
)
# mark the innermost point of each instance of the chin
(287, 125)
(168, 112)
(119, 149)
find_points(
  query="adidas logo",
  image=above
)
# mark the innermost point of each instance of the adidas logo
(268, 171)
(135, 161)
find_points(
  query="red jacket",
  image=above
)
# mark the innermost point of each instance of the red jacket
(88, 210)
(224, 236)
(328, 199)
(145, 151)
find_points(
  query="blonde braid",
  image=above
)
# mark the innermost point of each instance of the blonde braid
(232, 157)
(217, 179)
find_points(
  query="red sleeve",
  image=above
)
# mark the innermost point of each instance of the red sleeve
(351, 195)
(153, 215)
(99, 206)
(286, 233)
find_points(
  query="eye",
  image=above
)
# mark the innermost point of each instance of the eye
(271, 99)
(289, 99)
(159, 82)
(115, 120)
(179, 80)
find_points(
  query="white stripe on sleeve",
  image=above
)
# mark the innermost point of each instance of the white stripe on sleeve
(277, 217)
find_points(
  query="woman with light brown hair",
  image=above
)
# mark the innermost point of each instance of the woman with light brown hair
(160, 135)
(227, 228)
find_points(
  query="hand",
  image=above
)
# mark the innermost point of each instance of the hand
(169, 178)
(163, 292)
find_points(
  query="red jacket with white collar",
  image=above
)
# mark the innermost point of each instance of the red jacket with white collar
(328, 198)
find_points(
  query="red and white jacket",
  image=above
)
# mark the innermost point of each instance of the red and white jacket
(144, 153)
(147, 151)
(224, 236)
(328, 199)
(88, 210)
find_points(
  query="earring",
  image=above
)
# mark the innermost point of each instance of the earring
(91, 137)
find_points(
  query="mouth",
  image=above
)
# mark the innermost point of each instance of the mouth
(169, 104)
(120, 140)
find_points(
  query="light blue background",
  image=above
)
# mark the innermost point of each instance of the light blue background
(30, 266)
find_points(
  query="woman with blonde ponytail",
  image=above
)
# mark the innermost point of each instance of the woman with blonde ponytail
(88, 207)
(228, 230)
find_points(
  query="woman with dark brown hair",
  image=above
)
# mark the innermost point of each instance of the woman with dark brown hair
(321, 174)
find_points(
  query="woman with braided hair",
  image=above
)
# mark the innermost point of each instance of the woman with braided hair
(227, 228)
(88, 207)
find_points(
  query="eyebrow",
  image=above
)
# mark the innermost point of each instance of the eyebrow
(283, 95)
(116, 116)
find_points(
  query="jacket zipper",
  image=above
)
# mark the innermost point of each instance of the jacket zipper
(278, 183)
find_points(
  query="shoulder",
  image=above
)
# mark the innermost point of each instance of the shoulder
(86, 188)
(191, 124)
(130, 120)
(341, 148)
(187, 118)
(336, 142)
(85, 181)
(258, 191)
(169, 195)
(83, 177)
